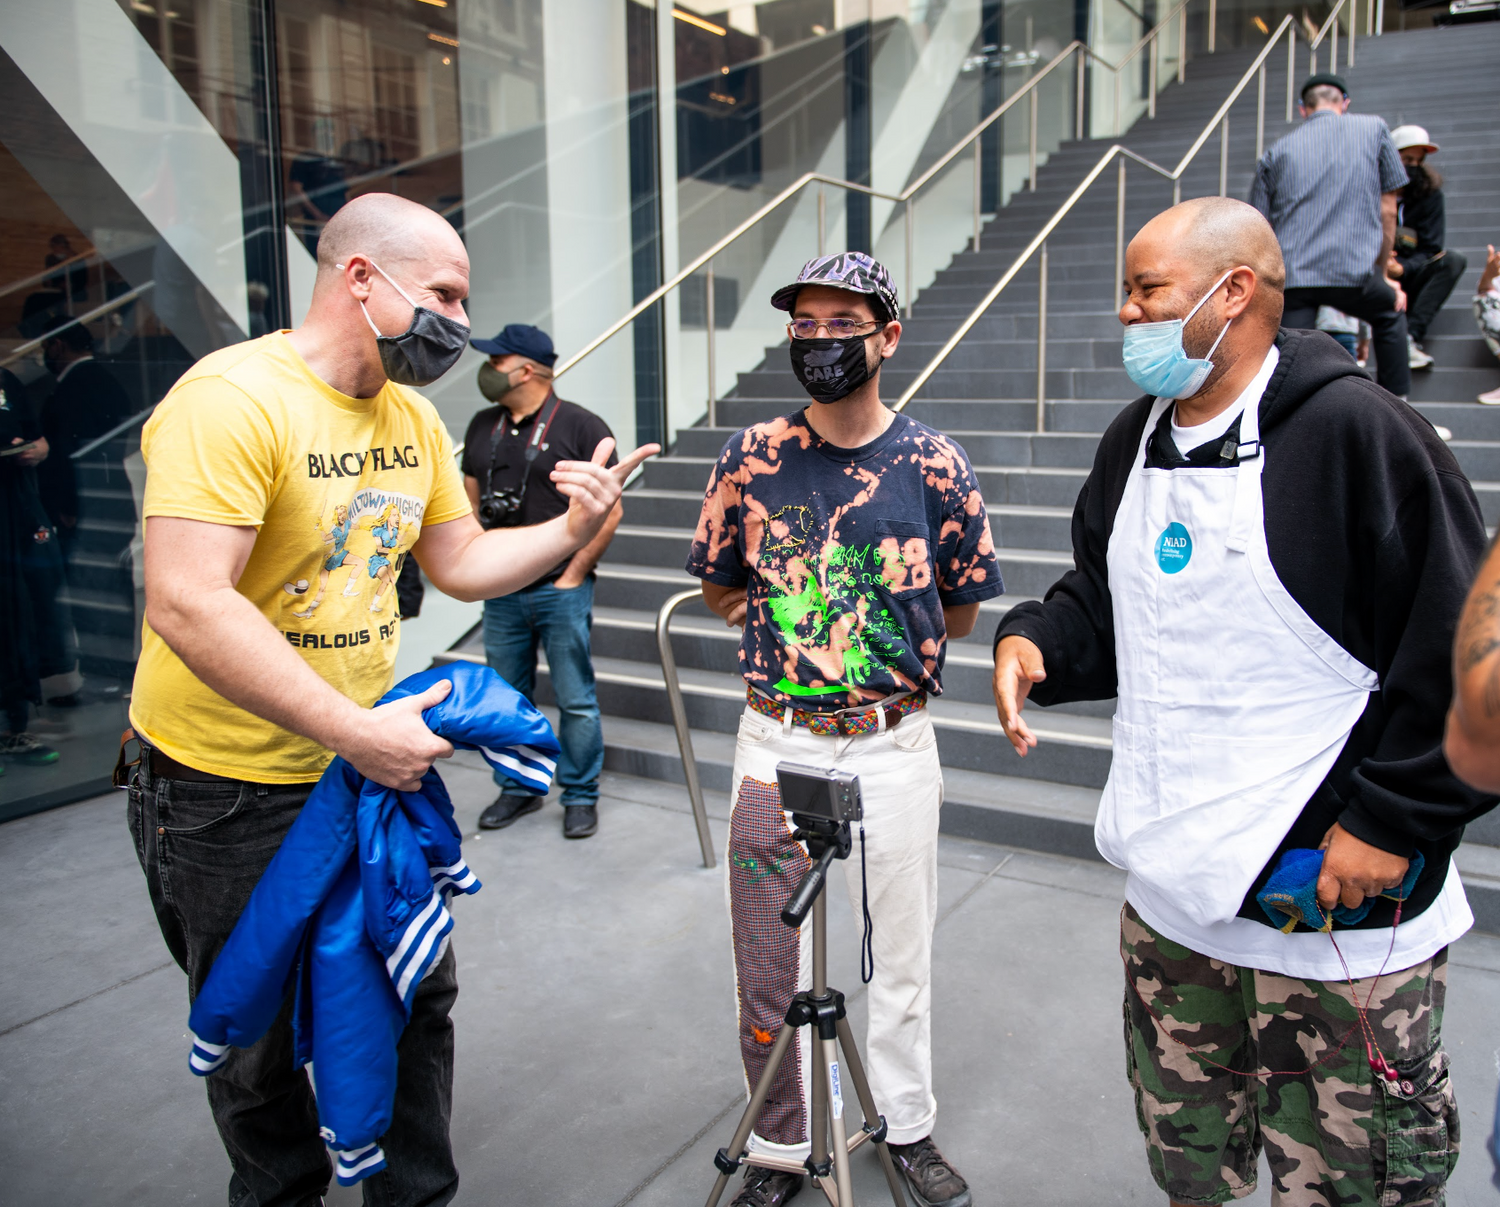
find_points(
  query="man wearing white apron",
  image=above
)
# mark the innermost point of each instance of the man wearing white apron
(1271, 553)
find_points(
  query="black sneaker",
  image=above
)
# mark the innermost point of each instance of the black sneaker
(507, 809)
(580, 821)
(932, 1180)
(767, 1188)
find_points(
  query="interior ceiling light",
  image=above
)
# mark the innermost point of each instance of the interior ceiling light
(446, 41)
(435, 3)
(1260, 25)
(694, 19)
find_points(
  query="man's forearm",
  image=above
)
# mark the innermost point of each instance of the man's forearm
(1387, 231)
(233, 649)
(476, 565)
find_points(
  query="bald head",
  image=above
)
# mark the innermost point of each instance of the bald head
(1215, 234)
(390, 230)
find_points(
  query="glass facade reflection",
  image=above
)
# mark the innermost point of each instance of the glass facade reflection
(168, 166)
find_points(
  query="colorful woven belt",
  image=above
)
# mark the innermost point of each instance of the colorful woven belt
(839, 724)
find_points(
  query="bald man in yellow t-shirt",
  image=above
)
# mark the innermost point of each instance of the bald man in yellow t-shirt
(275, 468)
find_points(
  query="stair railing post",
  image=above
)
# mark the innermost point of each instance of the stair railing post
(1333, 55)
(1151, 81)
(910, 243)
(1213, 23)
(1080, 62)
(1031, 154)
(708, 316)
(822, 219)
(978, 188)
(1260, 115)
(1182, 45)
(1120, 235)
(680, 722)
(1291, 68)
(1379, 17)
(1041, 343)
(1353, 17)
(1224, 157)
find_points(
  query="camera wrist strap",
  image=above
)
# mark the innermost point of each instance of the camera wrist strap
(867, 940)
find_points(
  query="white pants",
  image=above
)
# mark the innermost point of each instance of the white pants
(902, 786)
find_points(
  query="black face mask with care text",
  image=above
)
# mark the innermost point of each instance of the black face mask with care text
(830, 369)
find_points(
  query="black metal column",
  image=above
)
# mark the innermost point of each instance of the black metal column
(991, 97)
(261, 188)
(858, 137)
(647, 179)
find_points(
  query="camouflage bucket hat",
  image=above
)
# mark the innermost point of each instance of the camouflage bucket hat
(851, 270)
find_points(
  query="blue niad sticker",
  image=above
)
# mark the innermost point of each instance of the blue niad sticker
(1173, 548)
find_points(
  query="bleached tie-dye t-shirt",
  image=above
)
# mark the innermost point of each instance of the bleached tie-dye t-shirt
(848, 557)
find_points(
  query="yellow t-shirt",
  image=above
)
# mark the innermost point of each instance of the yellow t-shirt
(338, 489)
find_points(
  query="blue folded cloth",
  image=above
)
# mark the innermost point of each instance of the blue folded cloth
(1291, 894)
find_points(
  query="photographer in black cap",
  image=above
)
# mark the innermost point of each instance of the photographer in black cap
(509, 453)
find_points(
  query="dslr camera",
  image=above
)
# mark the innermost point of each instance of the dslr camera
(501, 508)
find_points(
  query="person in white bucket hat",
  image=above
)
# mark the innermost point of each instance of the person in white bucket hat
(1428, 270)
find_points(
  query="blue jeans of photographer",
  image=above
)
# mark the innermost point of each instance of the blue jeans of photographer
(560, 622)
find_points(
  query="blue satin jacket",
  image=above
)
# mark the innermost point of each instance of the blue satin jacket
(352, 913)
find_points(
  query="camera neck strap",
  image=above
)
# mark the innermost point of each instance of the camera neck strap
(539, 431)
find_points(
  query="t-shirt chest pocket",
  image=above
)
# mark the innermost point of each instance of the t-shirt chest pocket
(904, 556)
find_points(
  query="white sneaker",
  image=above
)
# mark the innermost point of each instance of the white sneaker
(1491, 397)
(1415, 357)
(1445, 432)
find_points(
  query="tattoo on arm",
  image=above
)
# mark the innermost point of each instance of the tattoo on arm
(1478, 638)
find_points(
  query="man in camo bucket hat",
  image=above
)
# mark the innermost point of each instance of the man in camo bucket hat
(851, 543)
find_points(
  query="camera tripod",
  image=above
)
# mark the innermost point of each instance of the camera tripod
(822, 1010)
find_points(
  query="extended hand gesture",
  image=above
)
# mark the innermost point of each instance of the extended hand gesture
(1018, 664)
(592, 488)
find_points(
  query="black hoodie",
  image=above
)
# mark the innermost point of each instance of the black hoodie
(1375, 531)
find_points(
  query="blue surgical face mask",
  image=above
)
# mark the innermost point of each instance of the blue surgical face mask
(1156, 361)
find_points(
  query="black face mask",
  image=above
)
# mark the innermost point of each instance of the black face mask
(427, 349)
(831, 369)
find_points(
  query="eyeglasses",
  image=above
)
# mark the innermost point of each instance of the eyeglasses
(837, 328)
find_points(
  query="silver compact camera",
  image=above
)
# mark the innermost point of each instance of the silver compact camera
(820, 792)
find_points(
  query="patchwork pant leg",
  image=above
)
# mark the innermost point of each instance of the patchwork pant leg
(772, 962)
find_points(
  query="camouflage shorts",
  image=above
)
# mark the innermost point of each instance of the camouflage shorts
(1334, 1136)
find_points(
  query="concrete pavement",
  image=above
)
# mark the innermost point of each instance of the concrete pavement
(596, 1055)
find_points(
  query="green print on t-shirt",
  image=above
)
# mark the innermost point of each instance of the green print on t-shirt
(805, 618)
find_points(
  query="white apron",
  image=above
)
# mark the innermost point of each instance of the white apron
(1233, 703)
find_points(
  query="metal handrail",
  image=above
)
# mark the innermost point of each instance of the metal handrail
(97, 312)
(1333, 24)
(1118, 153)
(904, 198)
(680, 721)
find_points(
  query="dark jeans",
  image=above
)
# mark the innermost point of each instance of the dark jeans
(1427, 288)
(561, 621)
(1374, 302)
(203, 847)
